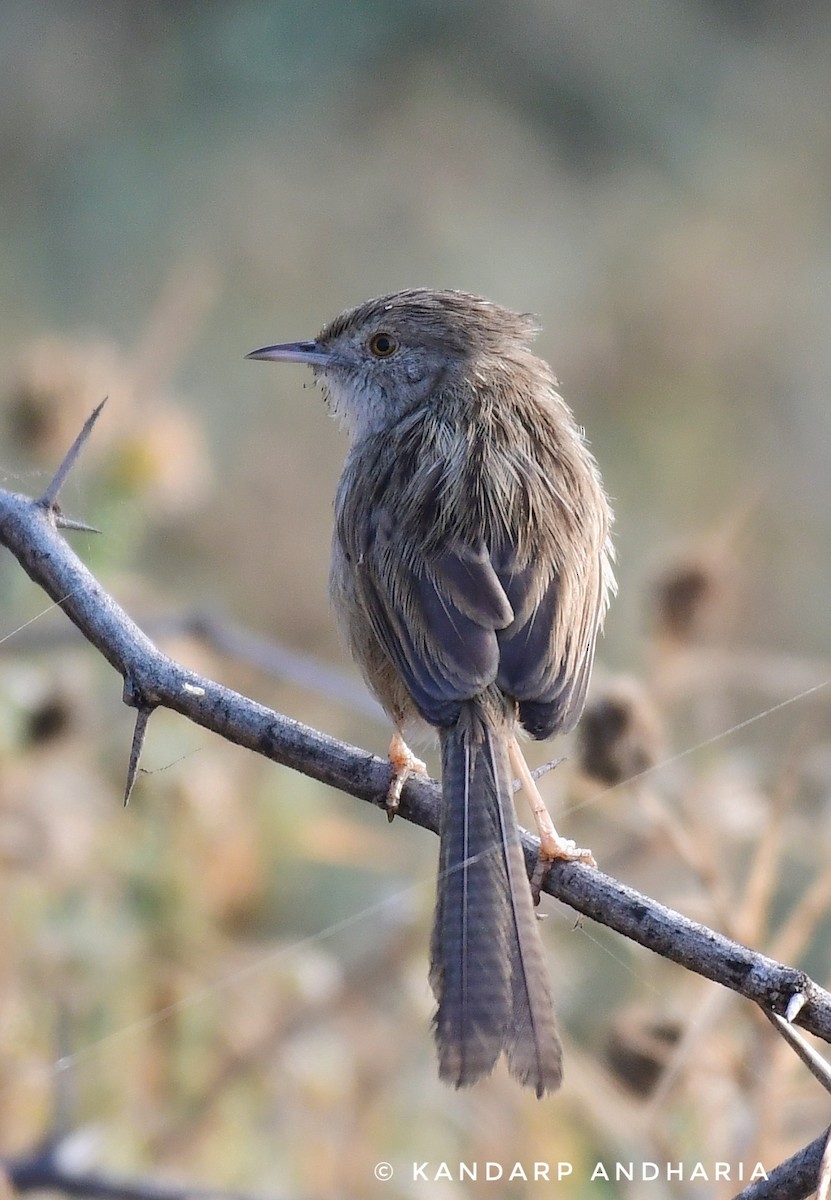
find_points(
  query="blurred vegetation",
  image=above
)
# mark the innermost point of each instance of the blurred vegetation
(235, 967)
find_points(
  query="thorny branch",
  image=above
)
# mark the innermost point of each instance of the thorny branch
(794, 1179)
(30, 530)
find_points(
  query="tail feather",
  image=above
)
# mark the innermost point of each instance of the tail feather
(488, 970)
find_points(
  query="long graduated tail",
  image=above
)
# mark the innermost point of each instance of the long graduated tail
(487, 970)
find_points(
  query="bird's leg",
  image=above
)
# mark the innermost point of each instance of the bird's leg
(404, 764)
(552, 846)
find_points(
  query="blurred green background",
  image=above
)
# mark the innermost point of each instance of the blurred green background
(183, 183)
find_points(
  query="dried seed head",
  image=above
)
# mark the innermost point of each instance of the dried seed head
(639, 1048)
(620, 734)
(685, 598)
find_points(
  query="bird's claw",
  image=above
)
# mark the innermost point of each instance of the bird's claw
(404, 764)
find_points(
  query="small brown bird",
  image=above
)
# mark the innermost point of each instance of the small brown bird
(470, 572)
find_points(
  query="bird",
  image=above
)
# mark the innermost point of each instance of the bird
(471, 570)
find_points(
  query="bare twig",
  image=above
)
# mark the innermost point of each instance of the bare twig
(218, 633)
(794, 1179)
(282, 663)
(825, 1170)
(43, 1171)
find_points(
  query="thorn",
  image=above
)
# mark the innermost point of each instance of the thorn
(815, 1063)
(142, 717)
(50, 496)
(795, 1006)
(63, 522)
(538, 772)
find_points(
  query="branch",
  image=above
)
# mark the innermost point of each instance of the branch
(214, 630)
(794, 1179)
(43, 1171)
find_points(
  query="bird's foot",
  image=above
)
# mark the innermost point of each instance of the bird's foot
(554, 848)
(552, 845)
(404, 764)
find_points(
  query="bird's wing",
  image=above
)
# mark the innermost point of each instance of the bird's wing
(436, 620)
(546, 654)
(517, 609)
(463, 620)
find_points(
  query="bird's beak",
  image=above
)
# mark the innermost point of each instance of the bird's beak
(309, 353)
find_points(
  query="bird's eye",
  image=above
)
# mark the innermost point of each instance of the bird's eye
(382, 345)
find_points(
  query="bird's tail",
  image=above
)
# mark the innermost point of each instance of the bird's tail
(488, 970)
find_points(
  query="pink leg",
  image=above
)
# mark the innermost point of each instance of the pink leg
(404, 764)
(552, 846)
